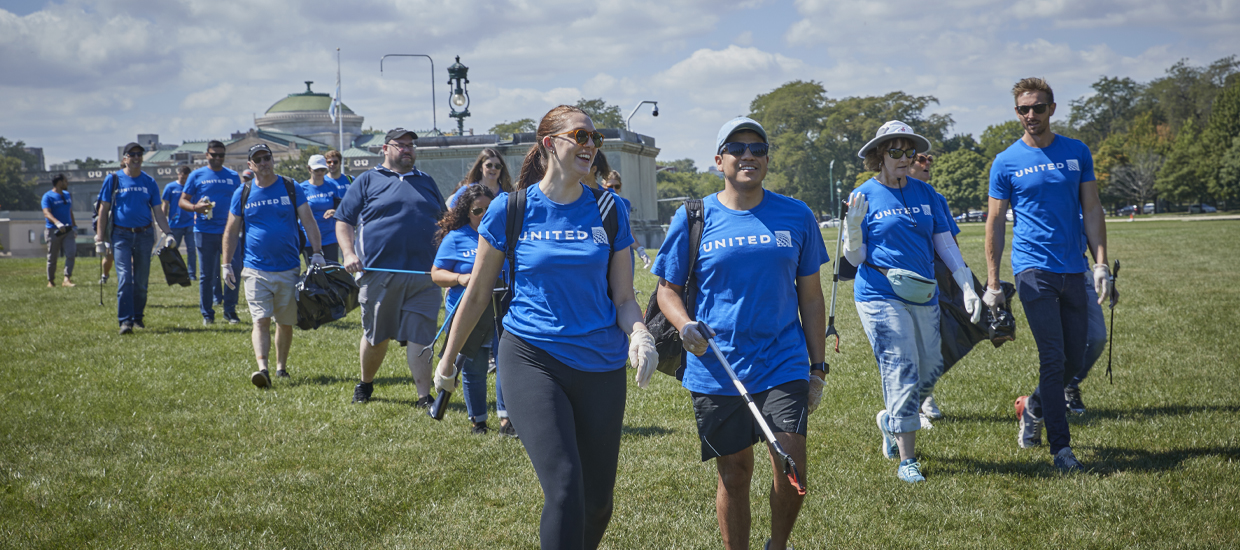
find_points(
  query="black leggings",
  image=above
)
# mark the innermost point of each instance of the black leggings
(569, 422)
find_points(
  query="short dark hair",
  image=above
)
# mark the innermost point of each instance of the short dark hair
(59, 178)
(183, 169)
(214, 144)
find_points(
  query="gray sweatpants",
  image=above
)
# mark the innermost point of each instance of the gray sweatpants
(66, 242)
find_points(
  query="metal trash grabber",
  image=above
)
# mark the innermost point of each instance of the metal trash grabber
(1111, 333)
(790, 467)
(835, 279)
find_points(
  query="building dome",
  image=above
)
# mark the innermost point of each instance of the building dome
(306, 114)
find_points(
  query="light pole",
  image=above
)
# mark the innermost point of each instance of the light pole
(639, 106)
(831, 178)
(460, 94)
(434, 121)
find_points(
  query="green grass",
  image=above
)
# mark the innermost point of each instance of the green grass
(159, 440)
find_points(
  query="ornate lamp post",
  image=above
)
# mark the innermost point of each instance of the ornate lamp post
(459, 82)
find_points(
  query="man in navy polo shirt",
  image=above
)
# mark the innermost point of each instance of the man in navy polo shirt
(207, 189)
(1048, 180)
(60, 231)
(130, 200)
(272, 256)
(392, 210)
(181, 222)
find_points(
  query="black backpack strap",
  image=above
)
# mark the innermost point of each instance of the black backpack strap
(606, 201)
(696, 215)
(512, 232)
(292, 199)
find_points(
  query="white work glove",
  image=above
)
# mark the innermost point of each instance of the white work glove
(1103, 283)
(100, 247)
(693, 337)
(858, 205)
(643, 356)
(230, 279)
(816, 385)
(445, 383)
(169, 241)
(641, 253)
(317, 259)
(993, 298)
(972, 304)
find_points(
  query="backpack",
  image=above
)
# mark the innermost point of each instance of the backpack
(516, 218)
(94, 217)
(666, 337)
(292, 199)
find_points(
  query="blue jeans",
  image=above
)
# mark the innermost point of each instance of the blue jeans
(501, 410)
(905, 339)
(1096, 339)
(132, 253)
(474, 385)
(210, 246)
(1056, 308)
(191, 249)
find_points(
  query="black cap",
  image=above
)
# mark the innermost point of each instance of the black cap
(397, 133)
(256, 149)
(129, 147)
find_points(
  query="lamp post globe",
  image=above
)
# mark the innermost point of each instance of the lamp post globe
(458, 82)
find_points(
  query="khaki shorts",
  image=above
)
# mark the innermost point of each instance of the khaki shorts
(271, 294)
(400, 306)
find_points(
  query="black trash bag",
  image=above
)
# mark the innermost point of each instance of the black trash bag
(175, 271)
(959, 334)
(325, 294)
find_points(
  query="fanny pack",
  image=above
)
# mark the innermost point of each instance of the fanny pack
(908, 285)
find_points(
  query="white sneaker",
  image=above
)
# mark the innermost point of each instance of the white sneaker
(931, 409)
(925, 422)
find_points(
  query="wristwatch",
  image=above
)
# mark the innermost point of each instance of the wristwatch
(823, 366)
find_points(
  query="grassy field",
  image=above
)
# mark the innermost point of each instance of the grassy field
(158, 439)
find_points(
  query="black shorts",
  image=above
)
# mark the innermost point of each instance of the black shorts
(727, 426)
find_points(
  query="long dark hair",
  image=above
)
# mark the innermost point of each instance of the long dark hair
(534, 167)
(458, 217)
(475, 174)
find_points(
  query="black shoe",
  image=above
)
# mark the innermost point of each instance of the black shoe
(261, 379)
(506, 429)
(233, 320)
(361, 393)
(1072, 395)
(479, 428)
(424, 402)
(126, 328)
(282, 373)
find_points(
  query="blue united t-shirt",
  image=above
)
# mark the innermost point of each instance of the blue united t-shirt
(321, 199)
(1044, 190)
(560, 302)
(272, 233)
(947, 212)
(898, 230)
(60, 205)
(396, 218)
(746, 274)
(457, 253)
(217, 186)
(342, 183)
(177, 218)
(134, 201)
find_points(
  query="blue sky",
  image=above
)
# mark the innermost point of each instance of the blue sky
(85, 76)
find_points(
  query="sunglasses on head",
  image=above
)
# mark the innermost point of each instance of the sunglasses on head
(737, 149)
(477, 211)
(492, 166)
(897, 153)
(1039, 108)
(583, 136)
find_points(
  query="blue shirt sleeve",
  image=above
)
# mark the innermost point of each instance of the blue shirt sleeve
(814, 253)
(235, 205)
(300, 199)
(351, 203)
(45, 200)
(1001, 180)
(670, 263)
(494, 224)
(167, 194)
(1087, 164)
(154, 201)
(624, 233)
(105, 192)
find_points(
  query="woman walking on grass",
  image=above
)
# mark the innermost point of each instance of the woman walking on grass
(490, 171)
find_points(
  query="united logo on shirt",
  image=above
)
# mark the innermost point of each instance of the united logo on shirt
(1073, 165)
(600, 235)
(783, 239)
(284, 200)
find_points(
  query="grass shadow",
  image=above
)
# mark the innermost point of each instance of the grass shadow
(645, 431)
(1145, 413)
(1119, 459)
(972, 466)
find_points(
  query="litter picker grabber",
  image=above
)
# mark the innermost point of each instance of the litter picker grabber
(835, 278)
(1111, 333)
(790, 467)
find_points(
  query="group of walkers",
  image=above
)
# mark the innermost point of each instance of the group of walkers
(539, 277)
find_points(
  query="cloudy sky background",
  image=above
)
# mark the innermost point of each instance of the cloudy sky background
(83, 76)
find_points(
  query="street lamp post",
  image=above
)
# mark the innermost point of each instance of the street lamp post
(831, 178)
(460, 93)
(434, 121)
(639, 106)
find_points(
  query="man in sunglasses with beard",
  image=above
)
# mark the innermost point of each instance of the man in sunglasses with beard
(1048, 180)
(392, 210)
(755, 289)
(208, 192)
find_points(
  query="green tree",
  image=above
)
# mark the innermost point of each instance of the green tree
(89, 163)
(1229, 174)
(675, 185)
(602, 114)
(959, 142)
(523, 126)
(998, 137)
(16, 193)
(1184, 176)
(298, 169)
(1187, 92)
(1107, 111)
(684, 166)
(1223, 128)
(963, 177)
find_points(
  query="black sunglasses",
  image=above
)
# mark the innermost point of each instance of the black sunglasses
(492, 166)
(216, 155)
(737, 149)
(477, 211)
(132, 154)
(260, 159)
(897, 153)
(583, 136)
(1039, 108)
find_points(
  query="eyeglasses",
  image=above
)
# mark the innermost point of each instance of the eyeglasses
(409, 147)
(216, 155)
(737, 149)
(133, 154)
(492, 166)
(260, 160)
(477, 211)
(925, 159)
(332, 161)
(897, 153)
(1039, 108)
(583, 136)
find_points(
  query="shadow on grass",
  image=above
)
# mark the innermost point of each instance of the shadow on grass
(1099, 414)
(172, 306)
(645, 431)
(1118, 459)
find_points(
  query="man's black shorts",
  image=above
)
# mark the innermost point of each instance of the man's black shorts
(727, 426)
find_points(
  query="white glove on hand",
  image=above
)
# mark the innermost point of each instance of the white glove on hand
(445, 383)
(993, 298)
(229, 278)
(858, 205)
(972, 304)
(643, 356)
(816, 386)
(100, 247)
(641, 253)
(693, 337)
(169, 241)
(1103, 282)
(317, 259)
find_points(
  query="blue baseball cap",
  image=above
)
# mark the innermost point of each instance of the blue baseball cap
(738, 124)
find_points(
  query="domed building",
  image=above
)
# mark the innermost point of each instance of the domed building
(307, 115)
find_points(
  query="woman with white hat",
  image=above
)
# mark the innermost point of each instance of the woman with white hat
(892, 231)
(323, 200)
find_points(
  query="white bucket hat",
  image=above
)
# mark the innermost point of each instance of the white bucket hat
(317, 161)
(892, 130)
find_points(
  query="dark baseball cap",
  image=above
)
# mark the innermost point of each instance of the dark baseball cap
(397, 133)
(258, 148)
(130, 146)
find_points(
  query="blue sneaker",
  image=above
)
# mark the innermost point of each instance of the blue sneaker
(1067, 462)
(1030, 432)
(889, 448)
(910, 471)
